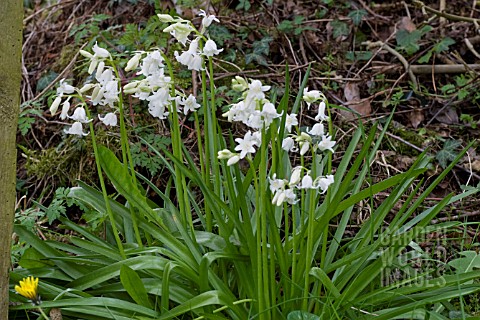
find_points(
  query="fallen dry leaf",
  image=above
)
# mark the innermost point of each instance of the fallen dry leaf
(475, 166)
(416, 117)
(352, 95)
(351, 92)
(447, 116)
(407, 24)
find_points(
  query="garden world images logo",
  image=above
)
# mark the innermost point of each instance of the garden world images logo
(414, 258)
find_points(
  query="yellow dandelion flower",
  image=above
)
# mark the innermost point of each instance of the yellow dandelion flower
(29, 289)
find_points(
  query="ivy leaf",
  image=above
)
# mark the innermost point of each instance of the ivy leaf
(443, 45)
(243, 4)
(258, 58)
(408, 41)
(425, 58)
(219, 34)
(357, 16)
(448, 153)
(261, 49)
(340, 28)
(358, 55)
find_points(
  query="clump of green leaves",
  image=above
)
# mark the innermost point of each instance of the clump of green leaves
(357, 16)
(448, 153)
(294, 26)
(441, 46)
(89, 28)
(144, 159)
(340, 28)
(409, 41)
(260, 49)
(144, 37)
(27, 117)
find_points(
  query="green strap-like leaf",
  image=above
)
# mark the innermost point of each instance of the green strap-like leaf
(134, 286)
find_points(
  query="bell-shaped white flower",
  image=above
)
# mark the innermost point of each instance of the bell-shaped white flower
(190, 104)
(317, 130)
(180, 31)
(110, 119)
(276, 184)
(86, 87)
(210, 48)
(311, 96)
(295, 177)
(307, 182)
(245, 145)
(100, 52)
(290, 121)
(133, 63)
(191, 58)
(269, 112)
(64, 88)
(65, 109)
(304, 141)
(279, 198)
(158, 111)
(321, 112)
(290, 196)
(100, 68)
(151, 64)
(76, 129)
(326, 143)
(288, 144)
(234, 159)
(80, 115)
(207, 20)
(256, 90)
(324, 183)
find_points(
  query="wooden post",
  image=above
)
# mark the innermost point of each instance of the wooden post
(11, 25)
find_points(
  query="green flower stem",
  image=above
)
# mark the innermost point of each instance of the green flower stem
(263, 227)
(102, 185)
(198, 130)
(214, 132)
(208, 147)
(310, 237)
(43, 313)
(126, 154)
(180, 183)
(258, 260)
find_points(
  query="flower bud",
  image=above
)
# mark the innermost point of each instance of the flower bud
(132, 64)
(295, 178)
(55, 104)
(165, 18)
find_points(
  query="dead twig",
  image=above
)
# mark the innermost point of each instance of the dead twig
(446, 15)
(443, 68)
(404, 61)
(476, 176)
(456, 217)
(60, 76)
